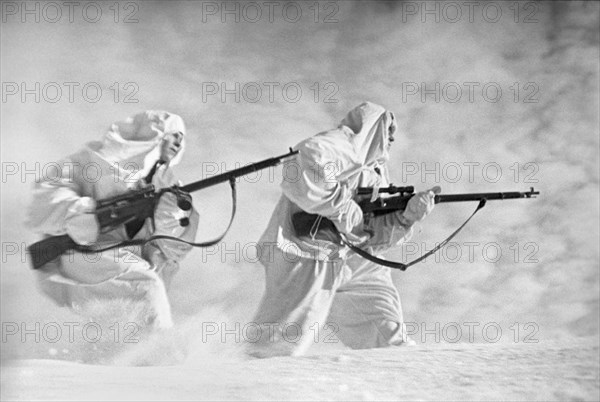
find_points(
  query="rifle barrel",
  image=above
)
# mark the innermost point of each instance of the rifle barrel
(233, 174)
(488, 196)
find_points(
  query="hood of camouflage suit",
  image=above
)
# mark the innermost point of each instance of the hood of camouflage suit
(369, 124)
(358, 143)
(134, 143)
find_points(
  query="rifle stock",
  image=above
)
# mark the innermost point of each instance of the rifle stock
(49, 249)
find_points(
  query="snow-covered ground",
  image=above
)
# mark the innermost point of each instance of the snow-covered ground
(529, 267)
(543, 371)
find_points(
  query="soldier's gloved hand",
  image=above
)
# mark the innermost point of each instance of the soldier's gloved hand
(420, 205)
(81, 223)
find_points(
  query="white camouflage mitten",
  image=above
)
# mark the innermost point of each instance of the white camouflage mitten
(420, 205)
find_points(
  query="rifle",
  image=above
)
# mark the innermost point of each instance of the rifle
(140, 204)
(318, 227)
(387, 205)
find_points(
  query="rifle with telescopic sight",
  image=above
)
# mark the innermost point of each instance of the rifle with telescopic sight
(318, 227)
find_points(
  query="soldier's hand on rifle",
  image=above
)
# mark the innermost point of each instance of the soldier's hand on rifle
(81, 223)
(420, 205)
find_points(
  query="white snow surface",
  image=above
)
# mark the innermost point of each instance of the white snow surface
(542, 371)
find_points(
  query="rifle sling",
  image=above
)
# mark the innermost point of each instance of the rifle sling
(141, 242)
(399, 265)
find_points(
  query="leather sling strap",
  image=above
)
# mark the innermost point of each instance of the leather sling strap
(399, 265)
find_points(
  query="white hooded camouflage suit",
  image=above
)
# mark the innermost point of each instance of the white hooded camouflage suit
(313, 283)
(64, 205)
